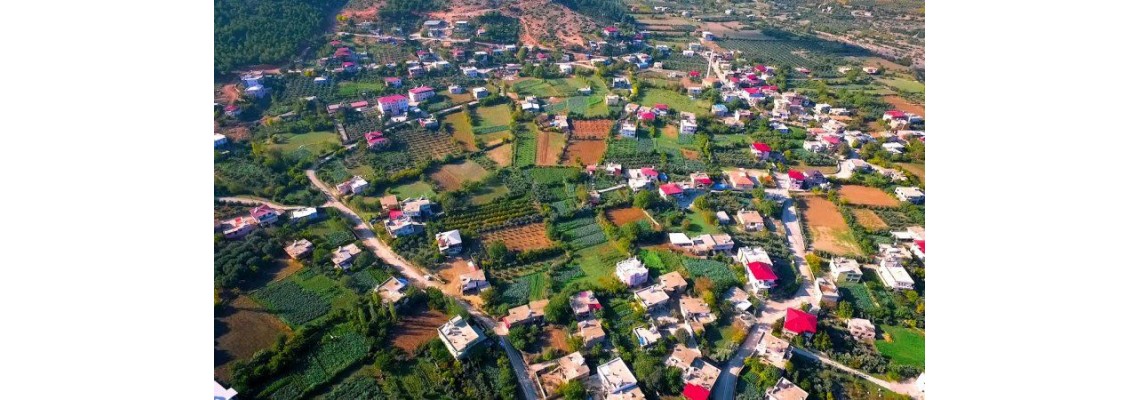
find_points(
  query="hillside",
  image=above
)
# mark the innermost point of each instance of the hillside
(265, 31)
(543, 21)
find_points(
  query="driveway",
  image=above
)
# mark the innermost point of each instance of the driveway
(725, 387)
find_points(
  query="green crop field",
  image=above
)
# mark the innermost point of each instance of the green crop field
(674, 100)
(598, 261)
(559, 87)
(905, 85)
(295, 305)
(354, 89)
(907, 346)
(859, 294)
(526, 147)
(716, 271)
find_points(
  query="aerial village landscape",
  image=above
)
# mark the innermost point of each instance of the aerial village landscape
(592, 199)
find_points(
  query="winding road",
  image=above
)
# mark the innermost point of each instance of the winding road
(367, 236)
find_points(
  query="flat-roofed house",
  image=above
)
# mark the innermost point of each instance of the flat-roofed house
(751, 220)
(459, 336)
(553, 374)
(632, 272)
(785, 390)
(342, 257)
(584, 303)
(533, 312)
(299, 248)
(844, 270)
(697, 313)
(617, 381)
(591, 332)
(861, 329)
(449, 243)
(826, 293)
(392, 290)
(673, 283)
(652, 297)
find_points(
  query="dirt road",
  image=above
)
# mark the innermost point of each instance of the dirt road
(908, 388)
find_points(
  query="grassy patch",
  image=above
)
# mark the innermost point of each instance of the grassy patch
(674, 100)
(905, 85)
(414, 189)
(598, 261)
(907, 346)
(316, 142)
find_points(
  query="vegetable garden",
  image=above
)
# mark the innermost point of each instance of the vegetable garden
(295, 305)
(499, 214)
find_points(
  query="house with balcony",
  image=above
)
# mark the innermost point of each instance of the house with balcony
(845, 270)
(449, 243)
(392, 291)
(652, 298)
(533, 312)
(356, 185)
(617, 381)
(299, 249)
(584, 303)
(750, 220)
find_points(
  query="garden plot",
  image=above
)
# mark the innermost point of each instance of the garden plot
(828, 230)
(550, 145)
(868, 219)
(452, 176)
(518, 238)
(415, 330)
(867, 196)
(243, 332)
(622, 216)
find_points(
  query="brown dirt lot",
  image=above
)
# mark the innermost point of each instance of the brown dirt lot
(452, 176)
(868, 219)
(525, 237)
(592, 129)
(690, 154)
(290, 267)
(236, 134)
(243, 332)
(828, 231)
(905, 106)
(415, 330)
(501, 155)
(550, 146)
(622, 216)
(451, 273)
(554, 337)
(867, 196)
(589, 151)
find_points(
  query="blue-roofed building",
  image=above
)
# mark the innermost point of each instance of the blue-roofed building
(719, 110)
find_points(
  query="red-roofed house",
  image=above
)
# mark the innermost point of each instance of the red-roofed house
(646, 116)
(610, 31)
(695, 392)
(761, 150)
(918, 248)
(661, 107)
(394, 81)
(358, 105)
(376, 140)
(798, 322)
(761, 277)
(394, 104)
(694, 74)
(800, 180)
(752, 93)
(670, 189)
(795, 179)
(894, 114)
(264, 214)
(761, 68)
(395, 214)
(770, 89)
(421, 93)
(700, 180)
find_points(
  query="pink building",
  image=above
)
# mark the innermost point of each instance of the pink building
(392, 105)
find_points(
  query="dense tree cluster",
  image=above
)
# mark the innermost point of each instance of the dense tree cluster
(236, 261)
(264, 31)
(498, 28)
(608, 10)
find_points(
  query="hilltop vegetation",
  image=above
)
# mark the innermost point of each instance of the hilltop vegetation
(607, 10)
(264, 31)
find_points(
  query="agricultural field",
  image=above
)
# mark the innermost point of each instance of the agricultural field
(813, 54)
(583, 152)
(487, 194)
(868, 219)
(581, 232)
(598, 261)
(906, 85)
(907, 346)
(719, 273)
(452, 176)
(461, 130)
(501, 154)
(918, 170)
(492, 122)
(550, 146)
(527, 288)
(622, 216)
(336, 353)
(661, 261)
(295, 305)
(552, 176)
(493, 216)
(674, 100)
(828, 230)
(416, 329)
(592, 129)
(518, 238)
(413, 189)
(347, 89)
(559, 87)
(867, 196)
(425, 145)
(590, 106)
(904, 105)
(526, 146)
(242, 332)
(863, 302)
(314, 142)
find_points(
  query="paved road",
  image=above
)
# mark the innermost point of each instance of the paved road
(725, 387)
(256, 201)
(908, 388)
(367, 236)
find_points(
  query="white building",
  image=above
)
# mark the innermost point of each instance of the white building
(459, 336)
(356, 185)
(632, 272)
(910, 194)
(893, 274)
(617, 381)
(845, 270)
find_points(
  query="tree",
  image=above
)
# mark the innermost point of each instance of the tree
(498, 252)
(822, 341)
(644, 199)
(573, 390)
(778, 327)
(558, 309)
(845, 310)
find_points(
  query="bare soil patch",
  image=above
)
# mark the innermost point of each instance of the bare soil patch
(417, 329)
(246, 329)
(525, 237)
(868, 219)
(592, 129)
(828, 230)
(867, 196)
(917, 169)
(550, 147)
(622, 216)
(690, 154)
(555, 338)
(452, 176)
(588, 151)
(236, 134)
(501, 154)
(289, 268)
(905, 106)
(450, 274)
